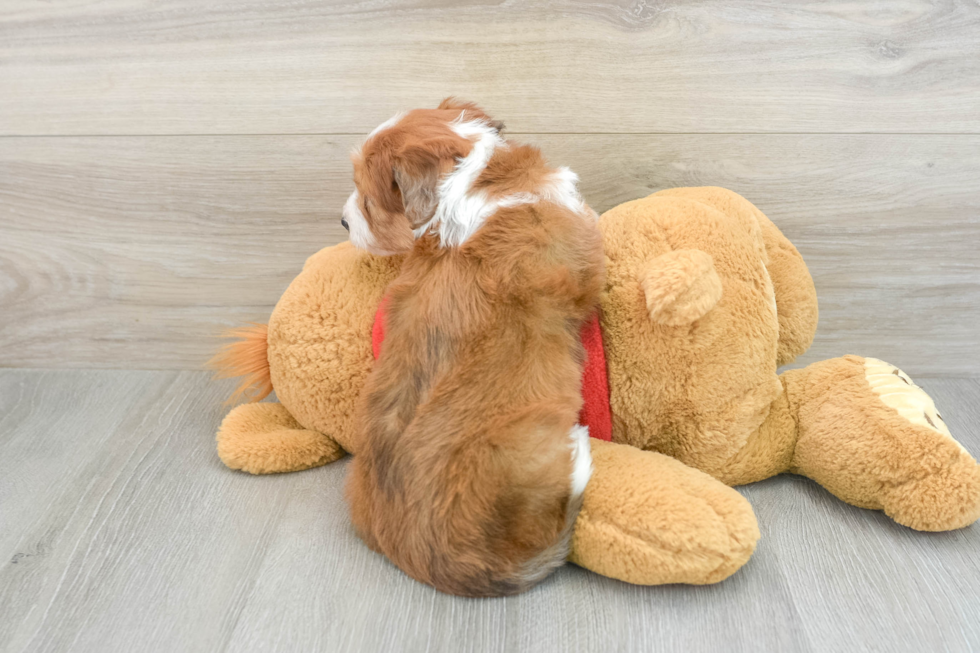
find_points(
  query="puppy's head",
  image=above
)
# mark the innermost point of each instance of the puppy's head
(397, 173)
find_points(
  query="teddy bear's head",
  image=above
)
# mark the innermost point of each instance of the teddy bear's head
(319, 338)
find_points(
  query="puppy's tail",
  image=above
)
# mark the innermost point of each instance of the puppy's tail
(537, 568)
(246, 357)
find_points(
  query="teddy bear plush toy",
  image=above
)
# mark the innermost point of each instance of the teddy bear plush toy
(704, 299)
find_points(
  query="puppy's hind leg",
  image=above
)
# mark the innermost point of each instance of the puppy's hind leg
(360, 498)
(537, 568)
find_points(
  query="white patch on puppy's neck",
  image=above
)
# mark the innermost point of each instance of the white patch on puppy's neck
(562, 189)
(390, 122)
(459, 214)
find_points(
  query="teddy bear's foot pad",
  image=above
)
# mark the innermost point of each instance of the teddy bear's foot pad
(649, 519)
(263, 438)
(945, 493)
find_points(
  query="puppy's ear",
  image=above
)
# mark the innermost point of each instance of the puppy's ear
(418, 166)
(419, 188)
(472, 111)
(377, 175)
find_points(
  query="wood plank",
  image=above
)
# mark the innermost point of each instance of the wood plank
(134, 252)
(122, 252)
(242, 66)
(28, 423)
(320, 588)
(149, 544)
(54, 429)
(868, 583)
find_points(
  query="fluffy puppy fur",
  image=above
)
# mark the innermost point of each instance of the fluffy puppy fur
(472, 468)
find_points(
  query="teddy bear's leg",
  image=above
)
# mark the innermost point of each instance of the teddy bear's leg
(263, 438)
(874, 439)
(769, 449)
(649, 519)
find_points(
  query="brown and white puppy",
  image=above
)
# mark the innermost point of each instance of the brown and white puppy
(472, 466)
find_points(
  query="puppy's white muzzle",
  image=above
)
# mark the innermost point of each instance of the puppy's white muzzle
(360, 231)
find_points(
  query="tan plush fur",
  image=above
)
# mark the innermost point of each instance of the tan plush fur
(703, 395)
(680, 286)
(649, 519)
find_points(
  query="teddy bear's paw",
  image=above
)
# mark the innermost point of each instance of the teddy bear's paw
(263, 438)
(680, 286)
(941, 500)
(943, 491)
(649, 519)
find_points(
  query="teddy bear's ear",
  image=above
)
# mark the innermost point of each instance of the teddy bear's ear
(680, 286)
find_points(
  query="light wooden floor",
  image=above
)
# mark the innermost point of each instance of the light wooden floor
(166, 167)
(120, 530)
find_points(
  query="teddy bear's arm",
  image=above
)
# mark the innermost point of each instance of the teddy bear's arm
(649, 519)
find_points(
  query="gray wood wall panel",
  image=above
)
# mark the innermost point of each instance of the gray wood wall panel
(134, 252)
(244, 66)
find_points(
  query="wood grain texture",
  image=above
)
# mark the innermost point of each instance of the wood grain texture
(134, 252)
(143, 544)
(131, 536)
(878, 586)
(248, 66)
